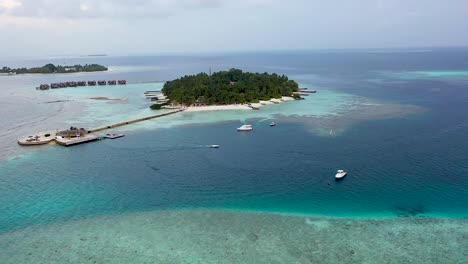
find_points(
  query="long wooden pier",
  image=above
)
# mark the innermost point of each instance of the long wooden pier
(133, 121)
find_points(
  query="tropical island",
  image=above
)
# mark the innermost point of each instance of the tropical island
(233, 87)
(51, 68)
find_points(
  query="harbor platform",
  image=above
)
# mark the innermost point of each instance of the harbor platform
(75, 136)
(76, 140)
(40, 138)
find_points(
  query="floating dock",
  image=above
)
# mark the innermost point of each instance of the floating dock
(114, 136)
(304, 90)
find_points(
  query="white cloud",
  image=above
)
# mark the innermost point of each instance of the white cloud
(28, 26)
(112, 8)
(84, 7)
(8, 6)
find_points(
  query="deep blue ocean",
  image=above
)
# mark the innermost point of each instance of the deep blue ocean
(409, 165)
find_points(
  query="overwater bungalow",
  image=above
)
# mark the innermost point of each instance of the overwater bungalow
(79, 83)
(44, 87)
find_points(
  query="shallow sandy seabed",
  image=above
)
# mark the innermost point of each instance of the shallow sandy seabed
(235, 237)
(334, 125)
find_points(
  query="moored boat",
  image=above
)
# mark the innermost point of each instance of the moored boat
(272, 124)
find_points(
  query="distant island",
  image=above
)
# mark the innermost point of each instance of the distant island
(51, 68)
(229, 87)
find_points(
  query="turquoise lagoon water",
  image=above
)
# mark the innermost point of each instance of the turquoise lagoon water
(403, 142)
(414, 75)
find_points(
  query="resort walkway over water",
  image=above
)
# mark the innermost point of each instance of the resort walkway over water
(133, 121)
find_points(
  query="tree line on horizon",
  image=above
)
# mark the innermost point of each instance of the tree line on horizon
(228, 87)
(51, 68)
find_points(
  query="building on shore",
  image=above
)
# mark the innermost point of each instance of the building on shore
(74, 136)
(72, 132)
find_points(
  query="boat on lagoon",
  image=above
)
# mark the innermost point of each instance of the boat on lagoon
(340, 174)
(245, 128)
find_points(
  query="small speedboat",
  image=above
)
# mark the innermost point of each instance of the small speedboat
(245, 128)
(272, 124)
(213, 146)
(340, 174)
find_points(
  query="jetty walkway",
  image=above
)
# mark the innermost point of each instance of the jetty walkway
(72, 137)
(133, 121)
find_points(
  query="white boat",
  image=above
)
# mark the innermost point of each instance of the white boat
(340, 174)
(245, 128)
(272, 124)
(213, 146)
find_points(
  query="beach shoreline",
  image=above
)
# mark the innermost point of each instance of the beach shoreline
(217, 108)
(251, 106)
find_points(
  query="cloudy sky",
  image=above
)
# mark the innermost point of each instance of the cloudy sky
(52, 27)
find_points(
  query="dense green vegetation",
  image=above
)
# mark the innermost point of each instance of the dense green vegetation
(51, 68)
(227, 87)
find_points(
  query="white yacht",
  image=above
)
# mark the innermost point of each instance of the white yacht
(340, 174)
(272, 124)
(245, 128)
(213, 146)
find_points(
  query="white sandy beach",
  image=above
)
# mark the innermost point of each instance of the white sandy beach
(287, 98)
(237, 106)
(217, 108)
